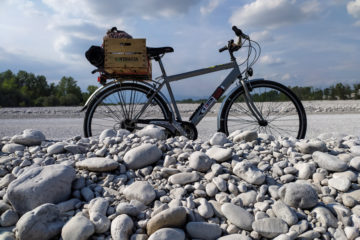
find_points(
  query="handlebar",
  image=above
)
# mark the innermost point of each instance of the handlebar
(234, 47)
(239, 33)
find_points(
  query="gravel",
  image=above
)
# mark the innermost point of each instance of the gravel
(245, 193)
(256, 187)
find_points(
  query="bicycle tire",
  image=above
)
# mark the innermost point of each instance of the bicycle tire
(280, 107)
(117, 105)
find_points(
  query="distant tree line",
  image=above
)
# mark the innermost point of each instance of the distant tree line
(338, 91)
(27, 90)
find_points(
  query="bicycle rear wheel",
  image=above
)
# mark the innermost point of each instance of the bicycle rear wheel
(280, 107)
(116, 107)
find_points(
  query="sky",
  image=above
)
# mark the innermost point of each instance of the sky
(303, 42)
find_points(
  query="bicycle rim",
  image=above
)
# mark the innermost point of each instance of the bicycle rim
(117, 107)
(282, 110)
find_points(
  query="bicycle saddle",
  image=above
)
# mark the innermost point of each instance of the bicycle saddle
(154, 52)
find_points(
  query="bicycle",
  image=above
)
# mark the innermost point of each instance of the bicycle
(261, 105)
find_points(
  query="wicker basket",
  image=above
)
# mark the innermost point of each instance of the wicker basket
(127, 58)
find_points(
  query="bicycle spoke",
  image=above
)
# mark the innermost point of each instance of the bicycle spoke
(273, 102)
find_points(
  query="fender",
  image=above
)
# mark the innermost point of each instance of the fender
(227, 97)
(110, 84)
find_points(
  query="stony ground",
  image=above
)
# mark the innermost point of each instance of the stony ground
(340, 106)
(66, 122)
(142, 186)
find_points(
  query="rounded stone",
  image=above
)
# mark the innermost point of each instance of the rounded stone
(311, 146)
(329, 162)
(141, 191)
(298, 195)
(199, 161)
(78, 227)
(29, 137)
(142, 156)
(341, 184)
(168, 233)
(121, 227)
(238, 216)
(39, 185)
(43, 222)
(12, 147)
(98, 164)
(219, 154)
(247, 136)
(270, 227)
(184, 178)
(153, 132)
(203, 230)
(218, 138)
(249, 173)
(171, 217)
(107, 133)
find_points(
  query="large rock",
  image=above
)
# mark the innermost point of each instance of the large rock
(248, 172)
(298, 195)
(270, 227)
(78, 227)
(329, 162)
(168, 233)
(39, 185)
(29, 137)
(203, 230)
(172, 217)
(142, 156)
(98, 164)
(44, 222)
(141, 191)
(237, 216)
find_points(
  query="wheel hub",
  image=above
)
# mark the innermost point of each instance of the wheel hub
(263, 123)
(128, 125)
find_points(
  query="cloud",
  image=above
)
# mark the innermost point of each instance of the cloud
(274, 13)
(269, 60)
(121, 8)
(213, 4)
(353, 8)
(263, 36)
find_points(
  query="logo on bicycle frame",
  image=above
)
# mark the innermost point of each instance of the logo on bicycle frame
(207, 105)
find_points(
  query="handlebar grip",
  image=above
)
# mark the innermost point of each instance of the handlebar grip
(239, 33)
(223, 49)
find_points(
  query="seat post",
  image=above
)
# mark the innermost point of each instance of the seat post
(158, 59)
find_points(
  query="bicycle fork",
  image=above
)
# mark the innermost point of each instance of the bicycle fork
(250, 103)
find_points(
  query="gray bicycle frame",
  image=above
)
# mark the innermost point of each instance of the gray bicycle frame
(204, 108)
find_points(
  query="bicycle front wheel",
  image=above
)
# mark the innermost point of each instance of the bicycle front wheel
(281, 109)
(118, 106)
